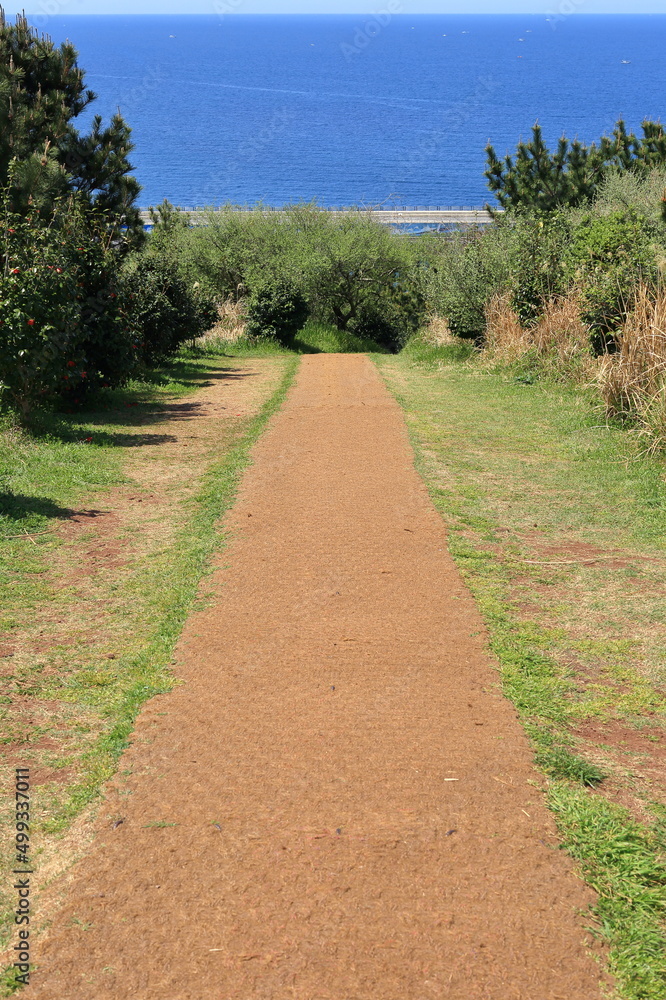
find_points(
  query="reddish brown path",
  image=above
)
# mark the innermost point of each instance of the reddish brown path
(348, 798)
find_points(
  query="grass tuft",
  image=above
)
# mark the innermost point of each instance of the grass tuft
(426, 352)
(625, 862)
(558, 762)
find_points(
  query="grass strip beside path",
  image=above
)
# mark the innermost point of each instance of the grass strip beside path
(559, 531)
(172, 582)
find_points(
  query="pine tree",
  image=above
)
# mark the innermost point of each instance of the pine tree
(100, 174)
(541, 181)
(42, 155)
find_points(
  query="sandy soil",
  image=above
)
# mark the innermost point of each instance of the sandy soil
(335, 803)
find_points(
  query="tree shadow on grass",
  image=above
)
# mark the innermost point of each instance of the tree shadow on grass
(81, 428)
(302, 347)
(120, 440)
(139, 415)
(127, 408)
(18, 507)
(21, 514)
(190, 376)
(229, 374)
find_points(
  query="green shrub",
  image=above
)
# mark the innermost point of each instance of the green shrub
(607, 257)
(391, 320)
(372, 324)
(602, 256)
(343, 266)
(62, 329)
(276, 310)
(626, 190)
(162, 310)
(40, 333)
(537, 276)
(462, 272)
(109, 348)
(237, 251)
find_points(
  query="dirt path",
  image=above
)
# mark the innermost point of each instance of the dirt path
(335, 804)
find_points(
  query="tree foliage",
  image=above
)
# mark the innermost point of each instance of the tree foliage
(535, 255)
(539, 180)
(461, 274)
(167, 221)
(62, 324)
(347, 268)
(43, 157)
(276, 309)
(163, 310)
(606, 259)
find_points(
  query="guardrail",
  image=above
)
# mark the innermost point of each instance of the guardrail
(405, 215)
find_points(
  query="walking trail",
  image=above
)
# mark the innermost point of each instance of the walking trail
(336, 803)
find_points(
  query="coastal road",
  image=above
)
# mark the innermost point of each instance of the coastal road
(399, 216)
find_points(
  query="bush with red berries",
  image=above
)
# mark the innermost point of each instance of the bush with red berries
(63, 325)
(40, 330)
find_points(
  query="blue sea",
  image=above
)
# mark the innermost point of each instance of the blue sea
(379, 110)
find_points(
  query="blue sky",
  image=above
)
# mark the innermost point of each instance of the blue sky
(407, 7)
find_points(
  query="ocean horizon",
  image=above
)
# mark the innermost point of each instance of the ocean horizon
(374, 111)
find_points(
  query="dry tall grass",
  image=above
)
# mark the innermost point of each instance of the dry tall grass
(438, 332)
(633, 381)
(560, 339)
(505, 338)
(561, 330)
(230, 325)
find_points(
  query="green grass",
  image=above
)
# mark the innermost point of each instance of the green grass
(314, 338)
(624, 861)
(46, 467)
(559, 529)
(319, 338)
(428, 355)
(243, 347)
